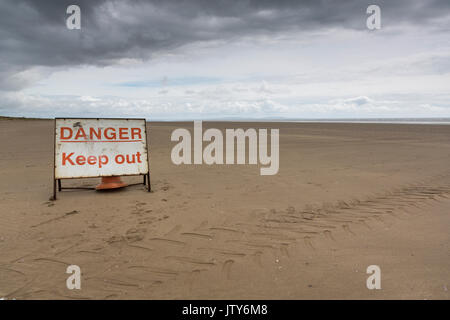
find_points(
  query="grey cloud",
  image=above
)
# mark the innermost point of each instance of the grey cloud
(33, 33)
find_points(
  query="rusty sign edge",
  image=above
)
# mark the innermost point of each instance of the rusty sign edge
(147, 173)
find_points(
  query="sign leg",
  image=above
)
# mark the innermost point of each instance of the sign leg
(149, 186)
(54, 189)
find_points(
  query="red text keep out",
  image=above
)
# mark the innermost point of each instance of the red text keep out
(100, 161)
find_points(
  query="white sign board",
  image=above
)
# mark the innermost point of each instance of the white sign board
(100, 147)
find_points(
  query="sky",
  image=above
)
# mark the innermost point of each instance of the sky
(224, 59)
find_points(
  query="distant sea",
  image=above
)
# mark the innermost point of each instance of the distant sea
(379, 120)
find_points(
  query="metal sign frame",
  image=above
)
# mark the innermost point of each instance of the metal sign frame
(57, 185)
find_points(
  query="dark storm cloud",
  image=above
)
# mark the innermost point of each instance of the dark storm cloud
(34, 33)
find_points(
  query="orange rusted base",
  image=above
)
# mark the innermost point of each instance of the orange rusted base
(110, 183)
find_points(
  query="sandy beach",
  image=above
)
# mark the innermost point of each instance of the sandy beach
(346, 196)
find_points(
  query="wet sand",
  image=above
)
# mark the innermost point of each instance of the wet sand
(346, 196)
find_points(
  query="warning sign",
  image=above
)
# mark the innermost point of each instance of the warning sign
(100, 148)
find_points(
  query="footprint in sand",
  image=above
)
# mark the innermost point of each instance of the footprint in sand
(202, 225)
(284, 249)
(226, 268)
(134, 234)
(257, 258)
(347, 229)
(329, 235)
(308, 242)
(49, 203)
(174, 230)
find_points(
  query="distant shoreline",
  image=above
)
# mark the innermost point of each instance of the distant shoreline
(441, 121)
